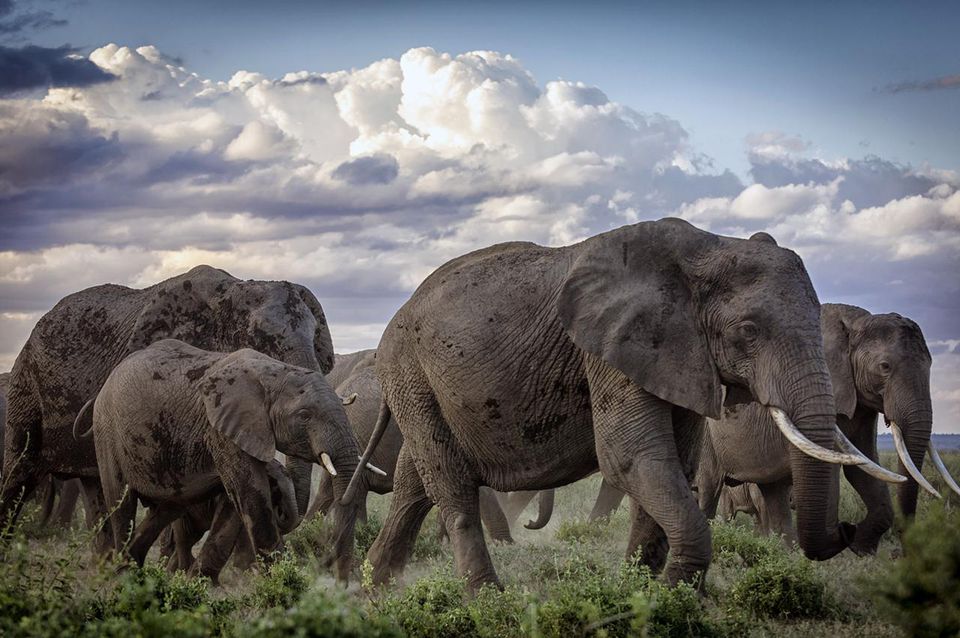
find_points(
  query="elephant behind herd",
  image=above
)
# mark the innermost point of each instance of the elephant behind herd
(517, 368)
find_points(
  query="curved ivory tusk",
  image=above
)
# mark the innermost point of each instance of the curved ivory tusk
(938, 463)
(904, 455)
(348, 400)
(807, 446)
(328, 464)
(373, 468)
(875, 470)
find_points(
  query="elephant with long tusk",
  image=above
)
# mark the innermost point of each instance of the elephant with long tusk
(879, 365)
(523, 367)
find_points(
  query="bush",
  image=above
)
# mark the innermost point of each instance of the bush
(733, 543)
(664, 612)
(784, 586)
(283, 583)
(366, 533)
(921, 591)
(312, 538)
(580, 530)
(321, 614)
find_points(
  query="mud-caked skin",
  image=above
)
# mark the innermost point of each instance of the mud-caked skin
(521, 367)
(354, 373)
(175, 425)
(879, 364)
(74, 347)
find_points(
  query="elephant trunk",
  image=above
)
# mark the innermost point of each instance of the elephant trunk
(335, 447)
(301, 471)
(915, 421)
(545, 512)
(807, 397)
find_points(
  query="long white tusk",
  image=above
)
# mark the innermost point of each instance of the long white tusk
(373, 468)
(944, 472)
(328, 464)
(908, 462)
(348, 400)
(873, 469)
(807, 446)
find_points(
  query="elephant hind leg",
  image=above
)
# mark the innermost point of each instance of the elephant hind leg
(23, 466)
(410, 505)
(149, 529)
(608, 500)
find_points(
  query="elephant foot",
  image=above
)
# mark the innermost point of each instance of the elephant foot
(865, 547)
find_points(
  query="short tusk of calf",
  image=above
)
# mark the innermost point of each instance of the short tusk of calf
(348, 400)
(807, 446)
(328, 464)
(944, 472)
(908, 462)
(873, 469)
(373, 468)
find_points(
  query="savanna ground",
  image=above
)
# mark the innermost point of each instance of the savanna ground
(569, 579)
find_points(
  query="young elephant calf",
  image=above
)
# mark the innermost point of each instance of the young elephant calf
(173, 425)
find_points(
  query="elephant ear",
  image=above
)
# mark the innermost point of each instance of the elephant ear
(322, 342)
(836, 321)
(236, 403)
(175, 309)
(626, 300)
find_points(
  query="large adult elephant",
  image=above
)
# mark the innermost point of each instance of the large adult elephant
(522, 367)
(353, 375)
(74, 347)
(879, 365)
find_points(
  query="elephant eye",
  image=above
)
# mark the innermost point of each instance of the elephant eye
(303, 414)
(748, 330)
(884, 367)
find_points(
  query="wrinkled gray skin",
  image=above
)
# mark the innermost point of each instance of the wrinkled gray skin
(74, 347)
(177, 540)
(174, 424)
(355, 373)
(522, 367)
(879, 364)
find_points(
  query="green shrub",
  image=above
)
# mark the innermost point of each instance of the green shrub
(784, 586)
(281, 585)
(580, 531)
(312, 538)
(921, 591)
(665, 612)
(738, 544)
(432, 606)
(321, 614)
(366, 533)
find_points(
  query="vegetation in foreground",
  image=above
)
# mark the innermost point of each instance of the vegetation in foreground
(567, 580)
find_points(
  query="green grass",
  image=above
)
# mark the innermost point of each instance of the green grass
(569, 579)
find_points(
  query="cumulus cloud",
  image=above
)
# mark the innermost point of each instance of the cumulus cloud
(358, 183)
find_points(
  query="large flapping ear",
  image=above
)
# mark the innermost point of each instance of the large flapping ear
(236, 403)
(836, 321)
(627, 300)
(179, 308)
(322, 342)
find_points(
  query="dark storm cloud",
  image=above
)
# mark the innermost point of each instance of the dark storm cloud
(35, 67)
(376, 169)
(936, 84)
(871, 181)
(13, 25)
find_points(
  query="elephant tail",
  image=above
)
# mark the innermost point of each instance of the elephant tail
(83, 424)
(545, 512)
(382, 421)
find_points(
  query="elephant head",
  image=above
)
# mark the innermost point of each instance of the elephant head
(265, 406)
(682, 313)
(881, 362)
(210, 309)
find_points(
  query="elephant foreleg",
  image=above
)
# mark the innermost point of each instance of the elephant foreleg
(775, 512)
(96, 513)
(493, 516)
(67, 505)
(149, 530)
(226, 530)
(874, 493)
(608, 500)
(410, 505)
(647, 450)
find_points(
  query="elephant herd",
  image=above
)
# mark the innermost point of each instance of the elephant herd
(672, 360)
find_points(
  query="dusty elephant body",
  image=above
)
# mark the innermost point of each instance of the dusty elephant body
(175, 425)
(178, 540)
(879, 365)
(354, 373)
(521, 367)
(75, 346)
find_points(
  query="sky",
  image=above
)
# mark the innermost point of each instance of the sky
(354, 147)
